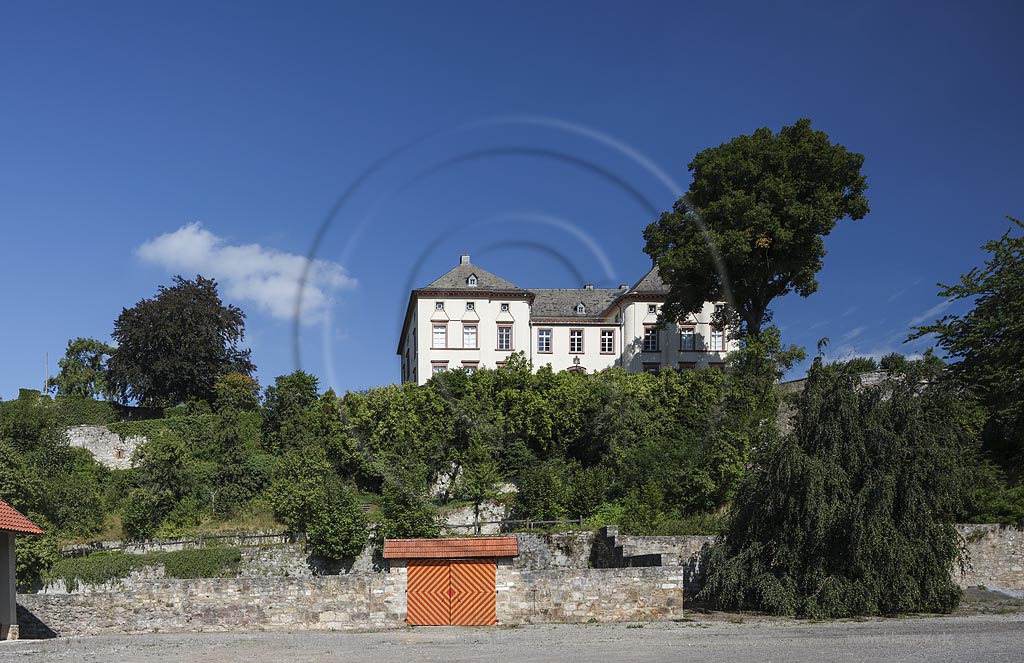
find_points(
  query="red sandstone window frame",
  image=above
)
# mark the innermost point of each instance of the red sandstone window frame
(577, 335)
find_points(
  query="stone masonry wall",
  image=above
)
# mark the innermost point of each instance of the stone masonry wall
(604, 595)
(996, 556)
(365, 600)
(353, 601)
(107, 447)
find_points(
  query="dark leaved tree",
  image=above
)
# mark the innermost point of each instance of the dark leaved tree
(172, 348)
(852, 513)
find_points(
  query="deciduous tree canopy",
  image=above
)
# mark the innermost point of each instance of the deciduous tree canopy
(988, 343)
(82, 369)
(172, 348)
(751, 227)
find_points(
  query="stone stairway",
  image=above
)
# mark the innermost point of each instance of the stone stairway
(615, 550)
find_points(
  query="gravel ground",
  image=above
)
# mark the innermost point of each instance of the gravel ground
(981, 638)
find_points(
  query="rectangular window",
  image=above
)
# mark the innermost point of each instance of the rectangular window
(470, 366)
(687, 365)
(440, 336)
(544, 340)
(717, 340)
(438, 367)
(576, 340)
(687, 338)
(650, 338)
(469, 336)
(504, 337)
(607, 341)
(651, 367)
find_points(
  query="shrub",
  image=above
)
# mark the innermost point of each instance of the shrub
(337, 527)
(201, 562)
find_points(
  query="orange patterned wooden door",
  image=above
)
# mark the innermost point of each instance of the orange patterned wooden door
(474, 592)
(429, 592)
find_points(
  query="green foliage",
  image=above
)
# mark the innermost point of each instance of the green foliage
(480, 474)
(35, 554)
(236, 391)
(297, 487)
(851, 514)
(405, 513)
(336, 528)
(80, 410)
(765, 202)
(986, 344)
(174, 347)
(83, 368)
(95, 569)
(210, 562)
(287, 411)
(103, 567)
(142, 513)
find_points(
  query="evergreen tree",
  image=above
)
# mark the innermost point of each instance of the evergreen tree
(852, 513)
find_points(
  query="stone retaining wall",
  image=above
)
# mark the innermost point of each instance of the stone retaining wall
(997, 556)
(353, 601)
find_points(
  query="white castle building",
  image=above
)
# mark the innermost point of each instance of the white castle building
(470, 318)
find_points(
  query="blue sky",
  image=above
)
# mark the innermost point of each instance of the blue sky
(139, 141)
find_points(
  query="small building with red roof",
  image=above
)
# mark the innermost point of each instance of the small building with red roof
(12, 523)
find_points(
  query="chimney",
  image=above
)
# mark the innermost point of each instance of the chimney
(464, 259)
(623, 286)
(588, 286)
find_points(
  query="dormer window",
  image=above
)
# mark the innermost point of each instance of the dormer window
(471, 281)
(470, 306)
(581, 309)
(438, 306)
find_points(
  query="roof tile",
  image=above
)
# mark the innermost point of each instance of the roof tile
(505, 546)
(11, 520)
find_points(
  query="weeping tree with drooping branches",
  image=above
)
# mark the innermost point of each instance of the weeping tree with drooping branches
(852, 513)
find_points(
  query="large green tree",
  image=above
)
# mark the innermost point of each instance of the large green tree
(852, 513)
(172, 348)
(83, 368)
(752, 224)
(987, 343)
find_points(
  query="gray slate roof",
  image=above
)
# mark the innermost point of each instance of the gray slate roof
(561, 303)
(456, 280)
(651, 283)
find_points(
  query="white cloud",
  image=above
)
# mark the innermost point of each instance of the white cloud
(896, 295)
(249, 272)
(852, 334)
(931, 313)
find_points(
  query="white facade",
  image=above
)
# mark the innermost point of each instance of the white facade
(472, 319)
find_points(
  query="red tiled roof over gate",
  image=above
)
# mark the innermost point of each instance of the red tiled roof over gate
(504, 546)
(12, 521)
